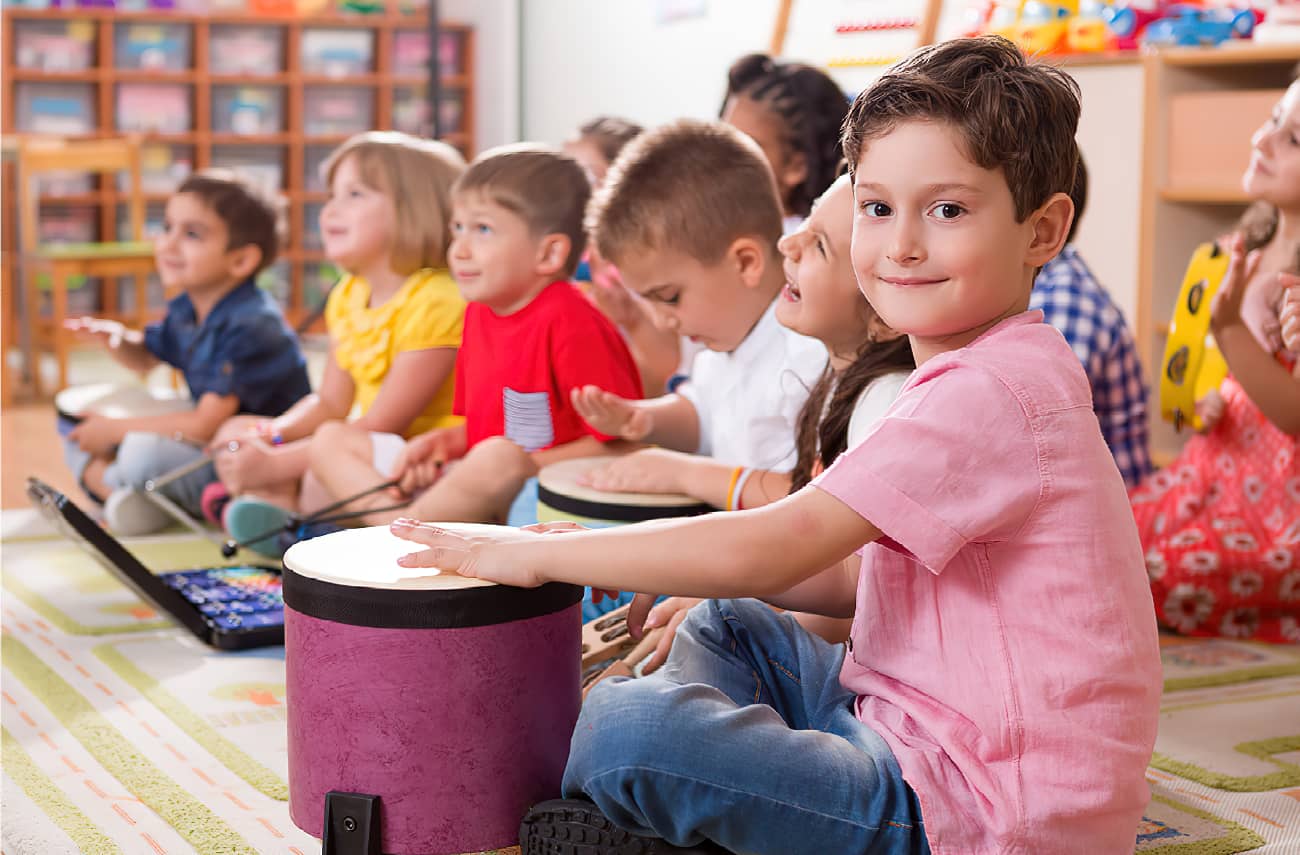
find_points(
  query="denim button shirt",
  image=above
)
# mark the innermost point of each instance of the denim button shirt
(243, 348)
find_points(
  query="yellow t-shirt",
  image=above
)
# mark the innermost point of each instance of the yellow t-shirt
(426, 312)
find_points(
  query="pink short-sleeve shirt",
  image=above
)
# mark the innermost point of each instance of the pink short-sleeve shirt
(1004, 640)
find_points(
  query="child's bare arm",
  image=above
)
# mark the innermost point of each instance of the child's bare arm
(331, 403)
(585, 446)
(669, 420)
(658, 470)
(98, 434)
(763, 553)
(126, 346)
(413, 380)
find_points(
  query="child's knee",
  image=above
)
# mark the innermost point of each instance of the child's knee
(333, 438)
(621, 725)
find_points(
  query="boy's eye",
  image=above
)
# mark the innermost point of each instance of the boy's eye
(483, 229)
(821, 247)
(947, 210)
(671, 299)
(876, 209)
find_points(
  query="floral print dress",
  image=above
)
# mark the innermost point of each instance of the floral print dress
(1221, 529)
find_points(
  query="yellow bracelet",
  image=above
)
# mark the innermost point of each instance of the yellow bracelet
(731, 487)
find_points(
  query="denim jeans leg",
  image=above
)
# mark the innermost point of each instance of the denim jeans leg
(746, 738)
(146, 456)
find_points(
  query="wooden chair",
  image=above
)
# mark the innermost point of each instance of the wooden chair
(108, 259)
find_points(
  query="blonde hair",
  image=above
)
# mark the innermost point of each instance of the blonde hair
(689, 187)
(417, 174)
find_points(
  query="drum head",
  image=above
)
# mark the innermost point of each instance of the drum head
(561, 479)
(367, 558)
(117, 401)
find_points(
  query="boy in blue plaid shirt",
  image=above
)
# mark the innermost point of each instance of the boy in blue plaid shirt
(1075, 303)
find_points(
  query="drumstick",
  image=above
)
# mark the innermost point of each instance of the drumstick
(626, 667)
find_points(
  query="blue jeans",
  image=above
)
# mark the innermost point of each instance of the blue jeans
(142, 457)
(745, 737)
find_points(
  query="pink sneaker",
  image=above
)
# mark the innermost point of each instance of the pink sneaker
(213, 502)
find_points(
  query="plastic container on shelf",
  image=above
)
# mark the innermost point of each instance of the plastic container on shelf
(155, 46)
(451, 53)
(162, 108)
(451, 113)
(162, 167)
(155, 294)
(260, 164)
(337, 52)
(248, 110)
(54, 108)
(241, 49)
(154, 214)
(67, 224)
(54, 45)
(411, 110)
(311, 225)
(337, 110)
(410, 52)
(55, 184)
(314, 157)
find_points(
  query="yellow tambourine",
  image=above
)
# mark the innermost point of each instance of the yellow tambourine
(1192, 364)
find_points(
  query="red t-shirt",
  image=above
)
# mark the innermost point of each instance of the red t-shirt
(514, 373)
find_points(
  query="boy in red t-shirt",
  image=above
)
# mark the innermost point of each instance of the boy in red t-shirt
(530, 338)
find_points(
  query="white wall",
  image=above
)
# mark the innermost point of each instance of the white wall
(496, 65)
(587, 57)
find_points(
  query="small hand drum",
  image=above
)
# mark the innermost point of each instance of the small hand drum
(115, 401)
(560, 497)
(1192, 364)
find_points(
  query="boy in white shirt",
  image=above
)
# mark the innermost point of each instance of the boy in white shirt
(690, 215)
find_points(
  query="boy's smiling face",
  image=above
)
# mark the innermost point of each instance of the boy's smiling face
(936, 245)
(192, 252)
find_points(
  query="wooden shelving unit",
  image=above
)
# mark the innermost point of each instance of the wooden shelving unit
(325, 76)
(1202, 106)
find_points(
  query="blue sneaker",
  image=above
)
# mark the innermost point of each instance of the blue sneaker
(247, 517)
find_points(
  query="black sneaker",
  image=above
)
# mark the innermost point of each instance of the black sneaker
(577, 827)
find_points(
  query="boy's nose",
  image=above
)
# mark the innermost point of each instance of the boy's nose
(789, 246)
(905, 246)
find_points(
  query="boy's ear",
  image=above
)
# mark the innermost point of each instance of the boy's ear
(552, 254)
(244, 260)
(750, 257)
(1051, 226)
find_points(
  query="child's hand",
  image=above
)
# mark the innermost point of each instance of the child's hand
(245, 464)
(467, 555)
(1290, 315)
(610, 414)
(650, 470)
(1210, 410)
(107, 334)
(97, 435)
(668, 614)
(612, 297)
(1225, 311)
(420, 463)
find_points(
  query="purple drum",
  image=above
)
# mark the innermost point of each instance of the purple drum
(450, 699)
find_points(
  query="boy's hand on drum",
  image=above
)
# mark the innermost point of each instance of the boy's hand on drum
(650, 470)
(103, 332)
(1225, 310)
(468, 555)
(1290, 315)
(610, 414)
(1210, 409)
(97, 435)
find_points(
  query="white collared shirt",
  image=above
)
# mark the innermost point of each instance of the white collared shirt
(748, 400)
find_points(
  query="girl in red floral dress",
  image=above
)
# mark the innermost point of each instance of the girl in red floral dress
(1221, 525)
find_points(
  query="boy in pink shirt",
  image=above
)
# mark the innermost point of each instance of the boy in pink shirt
(1000, 689)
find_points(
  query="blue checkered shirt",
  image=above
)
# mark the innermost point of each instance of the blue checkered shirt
(1074, 302)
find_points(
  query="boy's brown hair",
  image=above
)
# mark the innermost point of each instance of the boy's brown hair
(609, 134)
(252, 215)
(689, 187)
(544, 187)
(1013, 115)
(417, 174)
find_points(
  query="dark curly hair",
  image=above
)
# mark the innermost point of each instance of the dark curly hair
(810, 105)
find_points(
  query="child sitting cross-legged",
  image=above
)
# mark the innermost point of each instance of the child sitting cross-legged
(530, 339)
(1000, 688)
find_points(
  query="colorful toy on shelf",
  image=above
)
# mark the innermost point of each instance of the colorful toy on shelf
(1193, 26)
(1128, 20)
(54, 46)
(1043, 24)
(1087, 31)
(975, 18)
(1192, 364)
(1004, 16)
(362, 7)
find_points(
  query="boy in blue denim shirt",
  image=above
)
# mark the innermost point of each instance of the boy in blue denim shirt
(223, 333)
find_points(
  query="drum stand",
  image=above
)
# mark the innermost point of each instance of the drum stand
(351, 824)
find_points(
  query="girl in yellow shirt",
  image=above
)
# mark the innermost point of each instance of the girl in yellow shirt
(394, 324)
